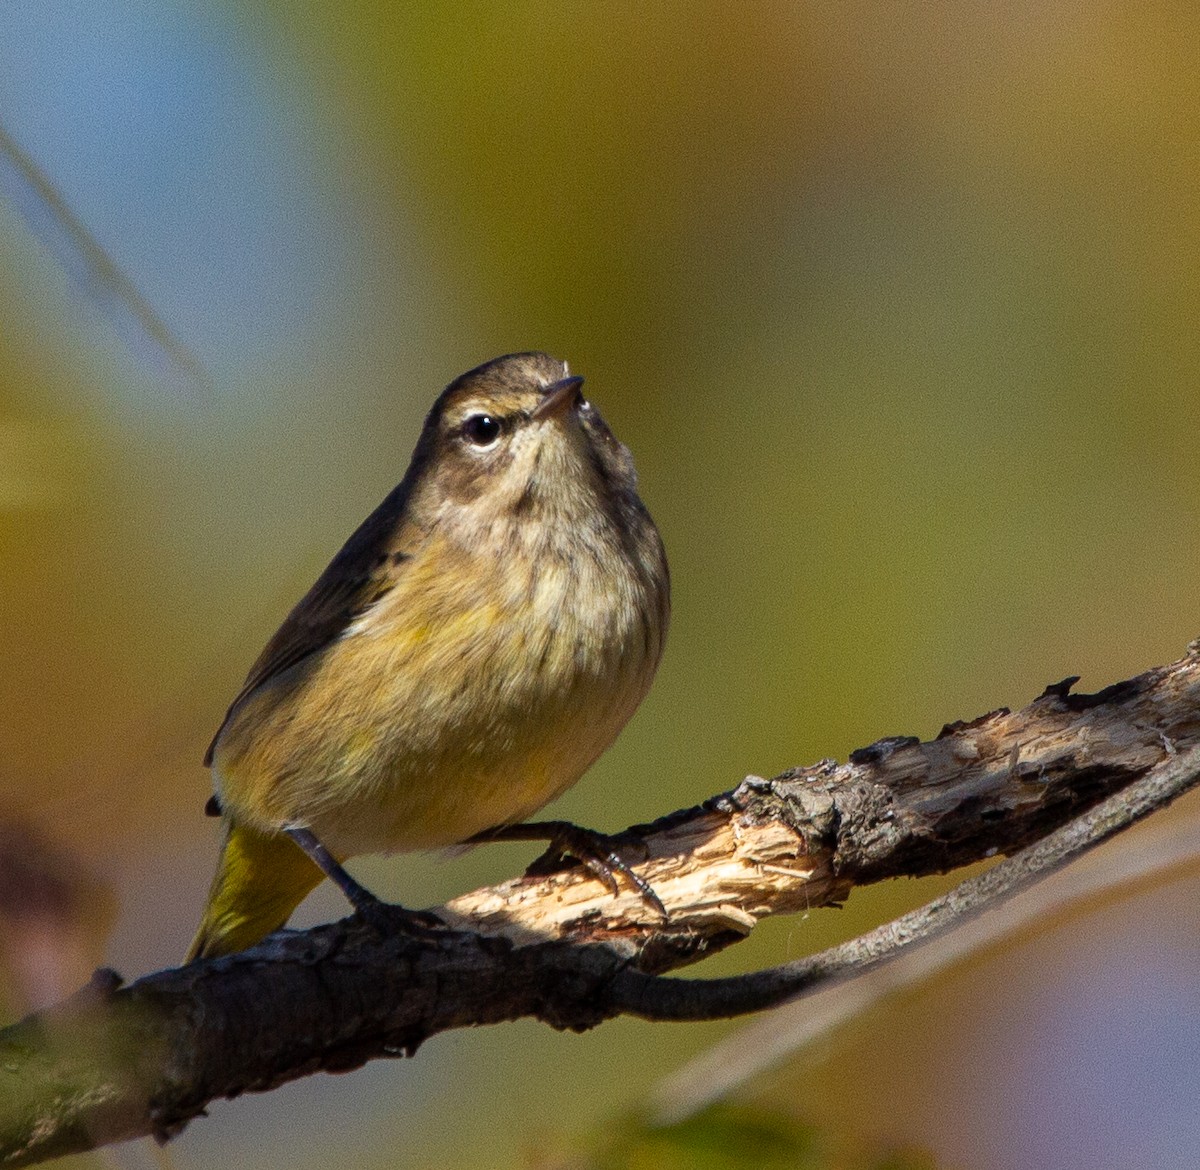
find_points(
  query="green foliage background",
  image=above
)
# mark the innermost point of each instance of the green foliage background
(896, 306)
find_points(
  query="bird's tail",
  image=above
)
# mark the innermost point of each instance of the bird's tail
(261, 878)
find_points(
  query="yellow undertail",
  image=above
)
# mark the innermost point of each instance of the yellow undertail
(260, 880)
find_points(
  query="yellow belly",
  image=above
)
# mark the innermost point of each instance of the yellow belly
(424, 726)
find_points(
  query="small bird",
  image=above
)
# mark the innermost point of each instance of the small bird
(473, 648)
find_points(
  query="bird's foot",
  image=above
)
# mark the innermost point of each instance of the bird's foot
(596, 852)
(385, 918)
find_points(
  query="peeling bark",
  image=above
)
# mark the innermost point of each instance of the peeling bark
(117, 1062)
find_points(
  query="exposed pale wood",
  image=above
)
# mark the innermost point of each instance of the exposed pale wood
(117, 1061)
(900, 807)
(715, 873)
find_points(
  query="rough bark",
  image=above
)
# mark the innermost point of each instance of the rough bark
(116, 1062)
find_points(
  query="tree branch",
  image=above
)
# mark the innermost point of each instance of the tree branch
(655, 998)
(1170, 852)
(1053, 779)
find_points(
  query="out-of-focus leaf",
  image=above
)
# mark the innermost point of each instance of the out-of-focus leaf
(728, 1137)
(55, 916)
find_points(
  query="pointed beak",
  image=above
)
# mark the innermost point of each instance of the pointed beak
(559, 397)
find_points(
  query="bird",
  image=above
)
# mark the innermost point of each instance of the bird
(477, 643)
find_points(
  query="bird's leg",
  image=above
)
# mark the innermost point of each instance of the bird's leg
(593, 850)
(381, 915)
(359, 896)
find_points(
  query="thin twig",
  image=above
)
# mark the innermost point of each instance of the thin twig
(654, 997)
(1050, 781)
(80, 253)
(1166, 855)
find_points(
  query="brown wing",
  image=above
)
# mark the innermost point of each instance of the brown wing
(368, 566)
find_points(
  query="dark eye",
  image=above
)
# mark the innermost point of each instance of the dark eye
(482, 429)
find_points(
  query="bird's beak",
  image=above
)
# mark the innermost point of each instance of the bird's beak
(559, 397)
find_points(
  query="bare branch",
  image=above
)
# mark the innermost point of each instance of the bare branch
(1168, 853)
(81, 254)
(656, 998)
(1053, 779)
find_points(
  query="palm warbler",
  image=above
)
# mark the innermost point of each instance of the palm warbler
(478, 642)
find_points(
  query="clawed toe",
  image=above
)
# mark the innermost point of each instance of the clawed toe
(386, 918)
(568, 842)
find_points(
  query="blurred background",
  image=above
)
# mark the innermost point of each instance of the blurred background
(896, 307)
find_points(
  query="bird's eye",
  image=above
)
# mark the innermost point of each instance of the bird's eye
(482, 430)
